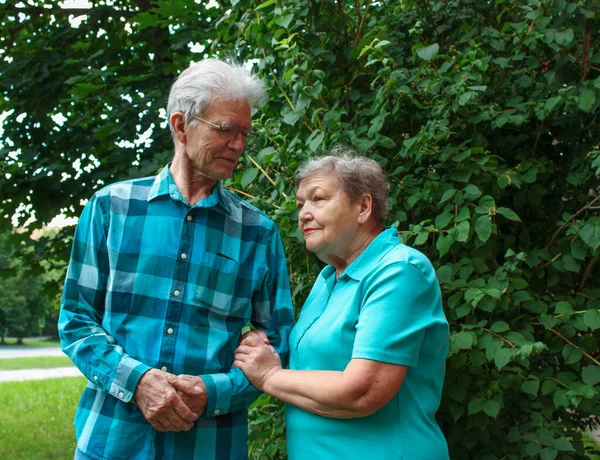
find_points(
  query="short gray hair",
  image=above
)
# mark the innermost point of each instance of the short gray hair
(203, 82)
(356, 175)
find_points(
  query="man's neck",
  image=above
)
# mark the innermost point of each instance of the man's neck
(192, 185)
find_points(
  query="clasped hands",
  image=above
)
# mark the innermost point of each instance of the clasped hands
(257, 359)
(170, 402)
(174, 402)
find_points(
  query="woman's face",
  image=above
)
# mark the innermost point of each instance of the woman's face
(326, 217)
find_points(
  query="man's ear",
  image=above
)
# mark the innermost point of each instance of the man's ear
(177, 121)
(366, 208)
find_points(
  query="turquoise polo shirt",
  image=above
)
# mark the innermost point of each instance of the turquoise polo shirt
(386, 306)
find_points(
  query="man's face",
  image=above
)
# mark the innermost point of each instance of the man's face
(214, 157)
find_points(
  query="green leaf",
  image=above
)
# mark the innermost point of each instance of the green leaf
(463, 340)
(571, 354)
(444, 274)
(590, 233)
(563, 307)
(587, 99)
(531, 387)
(502, 358)
(591, 375)
(471, 192)
(491, 408)
(448, 194)
(443, 219)
(428, 52)
(444, 243)
(508, 213)
(564, 38)
(248, 176)
(483, 228)
(563, 444)
(421, 238)
(265, 4)
(485, 205)
(382, 43)
(475, 406)
(315, 139)
(500, 326)
(551, 103)
(284, 21)
(461, 174)
(592, 319)
(579, 250)
(463, 214)
(463, 231)
(548, 453)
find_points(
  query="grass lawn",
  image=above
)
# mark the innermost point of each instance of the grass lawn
(37, 418)
(41, 343)
(38, 362)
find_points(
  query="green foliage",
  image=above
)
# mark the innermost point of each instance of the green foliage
(22, 301)
(37, 418)
(483, 114)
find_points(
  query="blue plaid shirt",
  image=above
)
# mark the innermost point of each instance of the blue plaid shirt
(156, 283)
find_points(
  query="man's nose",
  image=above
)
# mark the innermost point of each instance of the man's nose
(238, 142)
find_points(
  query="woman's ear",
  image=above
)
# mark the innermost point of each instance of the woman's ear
(366, 208)
(177, 121)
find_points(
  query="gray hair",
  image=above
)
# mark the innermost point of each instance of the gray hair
(356, 175)
(202, 83)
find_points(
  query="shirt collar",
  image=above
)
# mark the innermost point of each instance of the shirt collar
(164, 184)
(373, 253)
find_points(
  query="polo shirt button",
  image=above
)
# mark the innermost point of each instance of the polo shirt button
(121, 395)
(176, 293)
(95, 377)
(189, 218)
(183, 255)
(170, 331)
(217, 411)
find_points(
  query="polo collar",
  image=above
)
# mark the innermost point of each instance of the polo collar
(372, 254)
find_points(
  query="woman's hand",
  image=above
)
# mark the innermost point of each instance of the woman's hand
(257, 359)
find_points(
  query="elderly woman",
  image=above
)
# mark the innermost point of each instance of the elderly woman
(368, 351)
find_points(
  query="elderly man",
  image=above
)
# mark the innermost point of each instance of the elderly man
(164, 274)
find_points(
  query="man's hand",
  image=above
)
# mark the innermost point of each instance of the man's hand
(196, 400)
(160, 403)
(257, 359)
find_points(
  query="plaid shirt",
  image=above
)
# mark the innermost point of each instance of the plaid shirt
(156, 283)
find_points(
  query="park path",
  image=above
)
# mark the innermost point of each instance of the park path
(19, 351)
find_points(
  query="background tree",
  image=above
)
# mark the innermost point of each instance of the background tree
(483, 114)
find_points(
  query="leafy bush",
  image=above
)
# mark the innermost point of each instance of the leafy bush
(483, 114)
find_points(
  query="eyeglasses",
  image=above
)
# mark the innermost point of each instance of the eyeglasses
(228, 131)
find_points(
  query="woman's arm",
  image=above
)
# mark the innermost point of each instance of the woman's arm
(363, 388)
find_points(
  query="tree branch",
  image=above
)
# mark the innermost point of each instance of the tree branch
(586, 275)
(591, 358)
(563, 226)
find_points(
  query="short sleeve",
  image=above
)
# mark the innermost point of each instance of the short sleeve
(397, 309)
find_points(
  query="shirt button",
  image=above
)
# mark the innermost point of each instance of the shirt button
(170, 331)
(95, 377)
(176, 293)
(164, 368)
(217, 411)
(189, 218)
(121, 395)
(183, 255)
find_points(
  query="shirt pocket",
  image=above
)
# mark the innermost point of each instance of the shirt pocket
(218, 277)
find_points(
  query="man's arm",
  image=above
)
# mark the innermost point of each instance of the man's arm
(97, 355)
(273, 313)
(92, 350)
